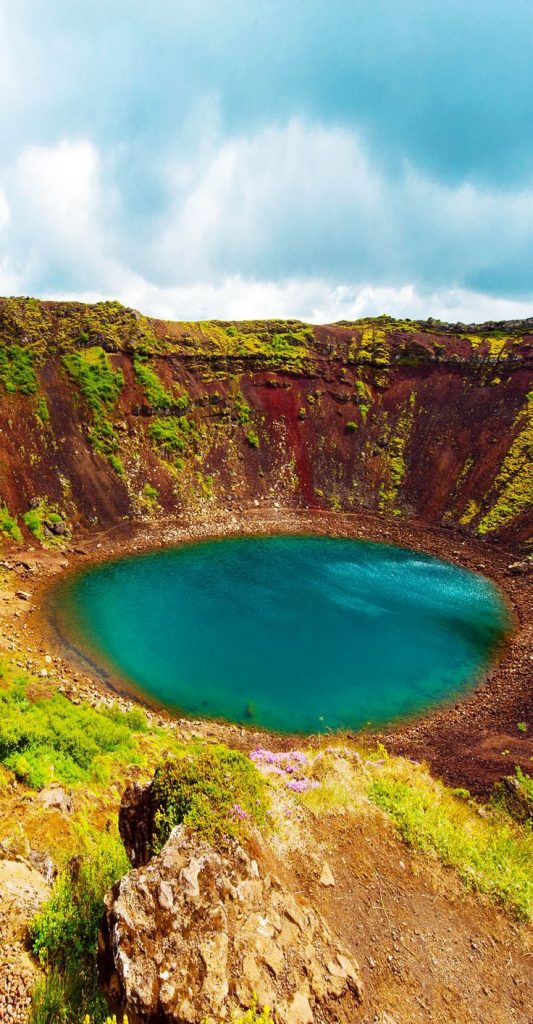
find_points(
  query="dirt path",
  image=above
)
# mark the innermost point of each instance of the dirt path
(429, 951)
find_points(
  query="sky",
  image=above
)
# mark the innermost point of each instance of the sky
(319, 159)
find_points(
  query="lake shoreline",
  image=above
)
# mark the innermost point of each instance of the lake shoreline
(462, 741)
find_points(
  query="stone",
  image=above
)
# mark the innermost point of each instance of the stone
(55, 796)
(327, 878)
(196, 932)
(521, 568)
(24, 595)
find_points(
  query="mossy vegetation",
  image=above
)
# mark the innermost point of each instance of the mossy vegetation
(9, 525)
(514, 483)
(100, 385)
(218, 792)
(50, 739)
(172, 435)
(64, 935)
(46, 523)
(394, 460)
(253, 439)
(157, 395)
(17, 373)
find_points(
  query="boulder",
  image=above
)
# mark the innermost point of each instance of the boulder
(23, 890)
(54, 796)
(198, 932)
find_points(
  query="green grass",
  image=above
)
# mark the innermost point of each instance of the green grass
(100, 386)
(171, 434)
(514, 483)
(52, 739)
(38, 519)
(9, 525)
(491, 854)
(64, 934)
(155, 392)
(253, 439)
(16, 370)
(42, 413)
(218, 792)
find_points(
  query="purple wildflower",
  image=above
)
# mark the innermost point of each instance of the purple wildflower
(301, 785)
(238, 812)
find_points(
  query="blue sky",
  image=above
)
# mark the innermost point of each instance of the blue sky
(276, 157)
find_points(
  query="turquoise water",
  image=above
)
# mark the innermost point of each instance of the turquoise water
(293, 633)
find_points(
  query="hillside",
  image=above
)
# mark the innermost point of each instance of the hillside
(107, 415)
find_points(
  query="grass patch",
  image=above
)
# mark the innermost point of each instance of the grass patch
(9, 525)
(490, 853)
(64, 934)
(155, 391)
(218, 792)
(100, 385)
(253, 439)
(41, 520)
(171, 434)
(16, 370)
(51, 739)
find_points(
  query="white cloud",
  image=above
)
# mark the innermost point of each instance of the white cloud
(312, 300)
(293, 220)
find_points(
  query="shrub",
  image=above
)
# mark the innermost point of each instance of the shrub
(64, 934)
(52, 738)
(350, 427)
(217, 792)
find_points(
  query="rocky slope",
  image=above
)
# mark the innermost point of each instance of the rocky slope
(106, 415)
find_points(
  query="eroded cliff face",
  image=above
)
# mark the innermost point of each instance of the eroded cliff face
(106, 415)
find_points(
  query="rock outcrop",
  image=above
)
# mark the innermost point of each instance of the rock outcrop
(23, 890)
(197, 933)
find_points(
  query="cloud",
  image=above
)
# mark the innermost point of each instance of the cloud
(292, 220)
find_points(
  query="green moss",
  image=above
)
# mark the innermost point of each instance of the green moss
(9, 525)
(54, 740)
(92, 372)
(218, 792)
(350, 427)
(171, 434)
(40, 519)
(157, 395)
(514, 482)
(100, 386)
(252, 439)
(394, 458)
(150, 495)
(42, 412)
(242, 409)
(470, 512)
(17, 374)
